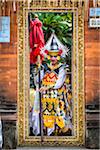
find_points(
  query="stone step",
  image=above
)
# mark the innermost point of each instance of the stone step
(51, 148)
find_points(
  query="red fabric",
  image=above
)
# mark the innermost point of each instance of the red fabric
(36, 39)
(33, 55)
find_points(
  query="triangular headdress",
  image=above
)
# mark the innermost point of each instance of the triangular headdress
(54, 47)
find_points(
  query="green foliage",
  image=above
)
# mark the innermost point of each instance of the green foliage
(60, 23)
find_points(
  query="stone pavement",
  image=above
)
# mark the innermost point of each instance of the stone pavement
(51, 148)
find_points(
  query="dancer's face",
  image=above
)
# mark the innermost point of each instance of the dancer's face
(53, 60)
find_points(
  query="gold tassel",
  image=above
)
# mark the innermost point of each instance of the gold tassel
(14, 6)
(94, 3)
(29, 4)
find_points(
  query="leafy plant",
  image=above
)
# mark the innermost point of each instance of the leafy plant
(60, 23)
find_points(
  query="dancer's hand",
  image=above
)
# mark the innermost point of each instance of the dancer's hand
(43, 89)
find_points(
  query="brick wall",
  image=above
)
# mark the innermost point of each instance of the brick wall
(8, 57)
(8, 60)
(8, 65)
(92, 60)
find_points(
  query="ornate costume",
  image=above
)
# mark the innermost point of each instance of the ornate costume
(54, 100)
(55, 106)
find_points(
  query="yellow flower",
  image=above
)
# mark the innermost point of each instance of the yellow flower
(69, 96)
(67, 81)
(58, 57)
(48, 57)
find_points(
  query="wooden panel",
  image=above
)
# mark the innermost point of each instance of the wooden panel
(8, 57)
(92, 61)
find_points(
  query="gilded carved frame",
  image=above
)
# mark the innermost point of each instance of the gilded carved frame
(78, 73)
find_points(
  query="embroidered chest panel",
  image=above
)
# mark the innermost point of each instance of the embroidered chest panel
(49, 79)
